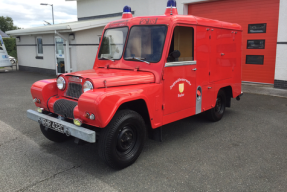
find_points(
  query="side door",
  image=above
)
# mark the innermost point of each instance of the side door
(179, 87)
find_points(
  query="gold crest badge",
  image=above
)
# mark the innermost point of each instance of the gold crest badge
(181, 87)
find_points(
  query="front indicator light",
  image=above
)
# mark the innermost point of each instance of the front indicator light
(92, 117)
(87, 115)
(40, 110)
(77, 122)
(36, 100)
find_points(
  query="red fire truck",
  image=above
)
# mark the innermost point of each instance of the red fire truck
(149, 71)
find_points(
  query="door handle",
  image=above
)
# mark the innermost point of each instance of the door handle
(209, 87)
(194, 69)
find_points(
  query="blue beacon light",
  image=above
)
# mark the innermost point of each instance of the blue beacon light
(171, 8)
(171, 3)
(127, 12)
(127, 9)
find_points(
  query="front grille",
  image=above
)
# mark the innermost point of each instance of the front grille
(74, 90)
(65, 108)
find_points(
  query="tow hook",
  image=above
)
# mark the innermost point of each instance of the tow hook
(79, 141)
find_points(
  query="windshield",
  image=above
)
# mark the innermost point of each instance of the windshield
(145, 43)
(113, 43)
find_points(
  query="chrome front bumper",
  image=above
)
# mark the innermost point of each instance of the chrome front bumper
(73, 130)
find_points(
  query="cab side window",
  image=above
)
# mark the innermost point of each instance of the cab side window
(182, 44)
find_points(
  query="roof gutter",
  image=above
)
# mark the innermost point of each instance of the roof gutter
(38, 30)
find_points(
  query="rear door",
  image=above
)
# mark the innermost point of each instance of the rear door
(180, 73)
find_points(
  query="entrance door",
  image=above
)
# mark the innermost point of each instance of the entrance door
(180, 73)
(60, 55)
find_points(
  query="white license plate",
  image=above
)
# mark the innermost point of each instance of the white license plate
(52, 125)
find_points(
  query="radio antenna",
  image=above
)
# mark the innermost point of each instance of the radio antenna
(170, 9)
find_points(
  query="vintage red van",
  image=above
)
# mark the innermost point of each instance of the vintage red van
(148, 72)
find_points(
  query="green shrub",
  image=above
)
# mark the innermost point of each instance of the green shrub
(10, 44)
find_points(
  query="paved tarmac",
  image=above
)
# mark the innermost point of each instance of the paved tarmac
(263, 89)
(245, 151)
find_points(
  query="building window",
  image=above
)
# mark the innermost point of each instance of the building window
(255, 59)
(255, 44)
(39, 42)
(257, 28)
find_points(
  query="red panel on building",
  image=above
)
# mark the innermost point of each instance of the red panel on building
(246, 12)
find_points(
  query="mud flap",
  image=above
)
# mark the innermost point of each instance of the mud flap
(155, 134)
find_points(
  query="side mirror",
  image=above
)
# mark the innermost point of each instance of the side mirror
(175, 54)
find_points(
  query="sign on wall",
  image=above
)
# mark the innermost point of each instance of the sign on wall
(257, 28)
(255, 59)
(255, 44)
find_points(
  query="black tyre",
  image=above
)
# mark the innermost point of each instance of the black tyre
(122, 141)
(216, 113)
(53, 135)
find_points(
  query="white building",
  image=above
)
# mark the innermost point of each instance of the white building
(73, 46)
(60, 48)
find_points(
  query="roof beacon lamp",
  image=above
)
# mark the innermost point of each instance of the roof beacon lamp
(171, 8)
(127, 12)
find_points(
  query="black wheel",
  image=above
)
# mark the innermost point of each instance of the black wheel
(53, 135)
(122, 141)
(216, 113)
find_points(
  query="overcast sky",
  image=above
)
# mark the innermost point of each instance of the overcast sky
(29, 13)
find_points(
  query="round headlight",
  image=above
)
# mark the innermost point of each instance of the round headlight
(61, 83)
(87, 86)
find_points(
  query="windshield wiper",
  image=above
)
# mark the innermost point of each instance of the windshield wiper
(107, 58)
(139, 59)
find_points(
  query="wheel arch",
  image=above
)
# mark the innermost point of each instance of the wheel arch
(139, 106)
(104, 103)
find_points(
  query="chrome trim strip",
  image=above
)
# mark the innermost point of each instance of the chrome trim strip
(75, 131)
(180, 63)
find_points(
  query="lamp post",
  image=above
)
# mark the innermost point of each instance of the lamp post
(52, 9)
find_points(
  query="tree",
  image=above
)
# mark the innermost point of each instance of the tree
(10, 44)
(6, 24)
